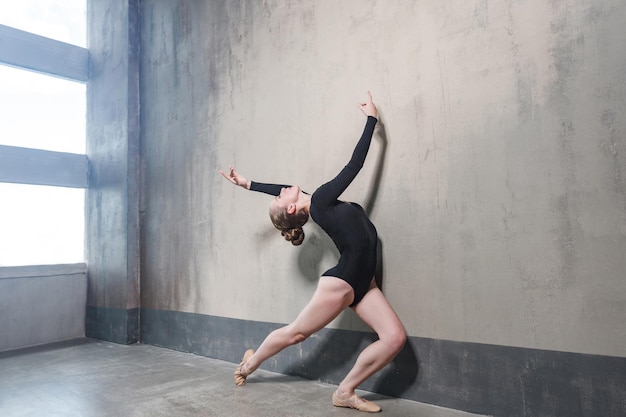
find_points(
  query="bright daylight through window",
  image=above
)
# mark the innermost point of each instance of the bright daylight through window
(42, 224)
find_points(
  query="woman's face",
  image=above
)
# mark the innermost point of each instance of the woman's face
(287, 197)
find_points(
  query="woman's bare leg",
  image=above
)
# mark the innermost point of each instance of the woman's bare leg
(331, 297)
(375, 311)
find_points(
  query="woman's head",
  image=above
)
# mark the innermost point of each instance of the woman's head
(287, 217)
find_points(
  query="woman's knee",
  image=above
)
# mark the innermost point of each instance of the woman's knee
(298, 338)
(294, 335)
(395, 339)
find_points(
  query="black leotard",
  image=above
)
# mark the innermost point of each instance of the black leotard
(346, 223)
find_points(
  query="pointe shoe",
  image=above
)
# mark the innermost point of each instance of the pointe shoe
(357, 403)
(242, 372)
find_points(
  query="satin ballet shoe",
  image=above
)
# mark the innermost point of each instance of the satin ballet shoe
(242, 371)
(357, 403)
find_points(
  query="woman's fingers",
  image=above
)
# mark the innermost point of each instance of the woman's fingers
(230, 176)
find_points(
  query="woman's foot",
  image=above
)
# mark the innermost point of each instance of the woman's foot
(355, 402)
(242, 371)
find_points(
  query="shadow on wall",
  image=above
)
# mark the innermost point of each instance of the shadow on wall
(333, 352)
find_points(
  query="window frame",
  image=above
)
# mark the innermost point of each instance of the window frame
(27, 51)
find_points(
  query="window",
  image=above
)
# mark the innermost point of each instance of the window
(42, 112)
(63, 20)
(41, 224)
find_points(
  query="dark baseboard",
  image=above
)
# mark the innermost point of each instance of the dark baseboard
(112, 324)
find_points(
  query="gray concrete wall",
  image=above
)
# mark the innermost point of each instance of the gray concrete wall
(113, 197)
(501, 202)
(41, 304)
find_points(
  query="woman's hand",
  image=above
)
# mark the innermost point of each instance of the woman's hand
(237, 179)
(368, 107)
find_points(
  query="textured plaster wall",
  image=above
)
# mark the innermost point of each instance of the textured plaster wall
(497, 178)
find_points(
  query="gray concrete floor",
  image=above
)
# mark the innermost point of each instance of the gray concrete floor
(93, 378)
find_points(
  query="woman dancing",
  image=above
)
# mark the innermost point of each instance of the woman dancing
(348, 284)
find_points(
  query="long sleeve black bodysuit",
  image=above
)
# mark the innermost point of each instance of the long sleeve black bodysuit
(346, 223)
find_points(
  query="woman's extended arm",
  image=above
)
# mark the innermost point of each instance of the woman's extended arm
(329, 192)
(272, 189)
(238, 179)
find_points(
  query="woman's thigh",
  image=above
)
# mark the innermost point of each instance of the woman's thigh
(376, 312)
(331, 297)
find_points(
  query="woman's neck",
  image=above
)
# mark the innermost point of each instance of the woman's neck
(304, 201)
